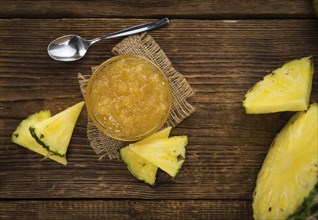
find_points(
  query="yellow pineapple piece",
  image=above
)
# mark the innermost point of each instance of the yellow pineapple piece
(138, 166)
(55, 133)
(289, 172)
(22, 136)
(167, 153)
(285, 89)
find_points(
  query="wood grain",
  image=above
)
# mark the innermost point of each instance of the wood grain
(212, 9)
(220, 59)
(124, 209)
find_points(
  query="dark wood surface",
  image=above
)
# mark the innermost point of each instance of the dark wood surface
(125, 209)
(204, 9)
(221, 54)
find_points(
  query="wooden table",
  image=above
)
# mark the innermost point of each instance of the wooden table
(221, 47)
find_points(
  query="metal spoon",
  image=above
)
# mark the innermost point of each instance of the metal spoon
(73, 47)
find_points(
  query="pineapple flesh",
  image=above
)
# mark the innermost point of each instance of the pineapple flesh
(289, 171)
(22, 136)
(55, 133)
(138, 166)
(285, 89)
(168, 153)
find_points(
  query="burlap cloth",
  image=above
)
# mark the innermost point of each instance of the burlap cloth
(142, 45)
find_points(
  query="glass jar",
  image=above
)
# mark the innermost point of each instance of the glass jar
(128, 97)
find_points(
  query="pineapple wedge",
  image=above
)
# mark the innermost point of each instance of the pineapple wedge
(289, 171)
(164, 133)
(168, 153)
(138, 166)
(55, 133)
(285, 89)
(22, 136)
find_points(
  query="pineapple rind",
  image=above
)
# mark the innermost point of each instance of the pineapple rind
(289, 171)
(309, 208)
(55, 133)
(22, 136)
(167, 153)
(285, 89)
(138, 166)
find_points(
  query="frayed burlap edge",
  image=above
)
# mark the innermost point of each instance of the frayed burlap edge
(142, 45)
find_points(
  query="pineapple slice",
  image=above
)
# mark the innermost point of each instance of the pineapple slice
(289, 172)
(138, 166)
(168, 153)
(55, 133)
(285, 89)
(22, 136)
(315, 4)
(164, 133)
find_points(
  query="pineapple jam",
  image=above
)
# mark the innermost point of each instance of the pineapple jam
(128, 97)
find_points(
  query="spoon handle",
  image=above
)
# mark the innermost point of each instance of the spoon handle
(133, 30)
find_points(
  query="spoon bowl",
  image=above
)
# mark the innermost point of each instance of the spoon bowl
(68, 48)
(73, 47)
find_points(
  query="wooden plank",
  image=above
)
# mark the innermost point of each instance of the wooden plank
(221, 59)
(125, 209)
(231, 9)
